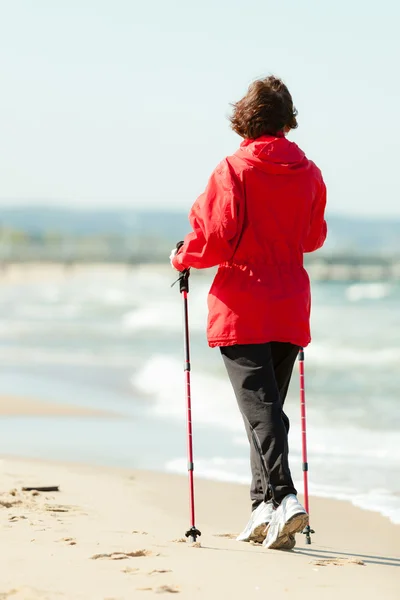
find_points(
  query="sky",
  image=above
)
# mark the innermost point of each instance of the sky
(108, 103)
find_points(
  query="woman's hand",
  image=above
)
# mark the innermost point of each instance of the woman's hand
(174, 252)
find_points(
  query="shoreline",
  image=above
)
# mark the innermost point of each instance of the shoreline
(119, 532)
(95, 423)
(380, 512)
(105, 469)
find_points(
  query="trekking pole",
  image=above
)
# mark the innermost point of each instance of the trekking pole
(307, 530)
(193, 532)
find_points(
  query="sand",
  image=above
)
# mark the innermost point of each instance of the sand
(12, 406)
(117, 534)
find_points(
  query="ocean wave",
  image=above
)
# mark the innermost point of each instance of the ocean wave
(165, 313)
(213, 403)
(162, 317)
(45, 313)
(161, 379)
(339, 355)
(335, 450)
(339, 445)
(153, 317)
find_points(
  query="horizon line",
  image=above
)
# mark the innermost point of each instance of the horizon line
(33, 203)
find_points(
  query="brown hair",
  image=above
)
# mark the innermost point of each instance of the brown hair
(266, 109)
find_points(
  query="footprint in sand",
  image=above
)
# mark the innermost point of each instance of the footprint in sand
(185, 541)
(9, 500)
(164, 589)
(69, 541)
(229, 536)
(17, 498)
(130, 570)
(123, 555)
(337, 562)
(61, 508)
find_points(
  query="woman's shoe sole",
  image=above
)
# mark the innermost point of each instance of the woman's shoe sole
(259, 534)
(294, 525)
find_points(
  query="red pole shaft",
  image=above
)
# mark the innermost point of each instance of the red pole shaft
(189, 409)
(303, 428)
(190, 450)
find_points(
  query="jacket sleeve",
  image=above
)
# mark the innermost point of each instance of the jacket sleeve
(216, 219)
(317, 232)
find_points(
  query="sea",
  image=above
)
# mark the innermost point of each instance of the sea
(112, 339)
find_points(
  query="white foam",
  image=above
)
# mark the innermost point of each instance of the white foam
(215, 469)
(51, 294)
(381, 501)
(115, 297)
(165, 313)
(45, 313)
(161, 378)
(368, 291)
(154, 317)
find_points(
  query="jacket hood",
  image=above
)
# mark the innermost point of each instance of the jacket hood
(273, 155)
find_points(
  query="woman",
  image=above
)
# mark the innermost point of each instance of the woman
(262, 210)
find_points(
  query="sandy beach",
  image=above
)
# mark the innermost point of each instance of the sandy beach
(118, 534)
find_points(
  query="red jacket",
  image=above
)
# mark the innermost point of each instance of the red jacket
(262, 209)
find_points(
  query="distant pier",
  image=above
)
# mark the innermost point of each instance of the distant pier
(115, 250)
(344, 267)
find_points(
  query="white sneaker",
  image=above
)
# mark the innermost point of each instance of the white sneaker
(288, 519)
(255, 529)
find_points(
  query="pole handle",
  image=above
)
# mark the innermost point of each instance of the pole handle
(183, 276)
(184, 281)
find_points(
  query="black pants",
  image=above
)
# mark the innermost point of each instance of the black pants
(260, 375)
